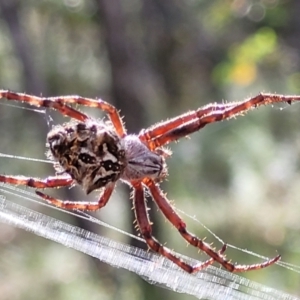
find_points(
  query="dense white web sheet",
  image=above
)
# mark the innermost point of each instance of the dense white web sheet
(212, 283)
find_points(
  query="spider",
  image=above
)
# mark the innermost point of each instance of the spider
(96, 154)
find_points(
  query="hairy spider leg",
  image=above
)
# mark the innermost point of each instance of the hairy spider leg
(231, 110)
(100, 104)
(161, 128)
(144, 223)
(49, 182)
(166, 208)
(56, 104)
(59, 103)
(81, 205)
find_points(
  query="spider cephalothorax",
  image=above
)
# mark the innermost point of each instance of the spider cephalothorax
(95, 154)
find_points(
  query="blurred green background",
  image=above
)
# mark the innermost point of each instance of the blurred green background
(153, 60)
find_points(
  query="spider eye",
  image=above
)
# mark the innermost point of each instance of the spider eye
(109, 165)
(86, 158)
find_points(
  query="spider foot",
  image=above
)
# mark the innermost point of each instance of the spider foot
(244, 268)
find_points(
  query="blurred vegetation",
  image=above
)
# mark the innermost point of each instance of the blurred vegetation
(153, 60)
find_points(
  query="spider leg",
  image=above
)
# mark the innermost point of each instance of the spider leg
(100, 104)
(166, 208)
(175, 129)
(59, 103)
(49, 182)
(54, 103)
(146, 230)
(163, 127)
(84, 205)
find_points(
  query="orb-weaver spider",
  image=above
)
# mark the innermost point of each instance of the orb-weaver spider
(96, 154)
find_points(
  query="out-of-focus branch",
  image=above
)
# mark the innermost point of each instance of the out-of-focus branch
(9, 10)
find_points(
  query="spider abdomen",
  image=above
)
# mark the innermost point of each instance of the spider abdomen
(90, 152)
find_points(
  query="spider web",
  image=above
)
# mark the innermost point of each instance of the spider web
(211, 283)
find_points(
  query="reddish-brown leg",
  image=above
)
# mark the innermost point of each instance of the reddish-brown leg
(163, 127)
(166, 208)
(49, 182)
(70, 205)
(172, 133)
(100, 104)
(146, 231)
(59, 103)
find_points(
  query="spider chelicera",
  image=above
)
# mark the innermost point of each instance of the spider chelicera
(96, 154)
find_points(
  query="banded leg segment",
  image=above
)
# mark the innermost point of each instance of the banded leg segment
(80, 205)
(60, 104)
(166, 208)
(100, 104)
(146, 135)
(49, 182)
(140, 210)
(225, 111)
(54, 103)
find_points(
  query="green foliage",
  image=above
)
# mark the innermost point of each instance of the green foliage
(241, 67)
